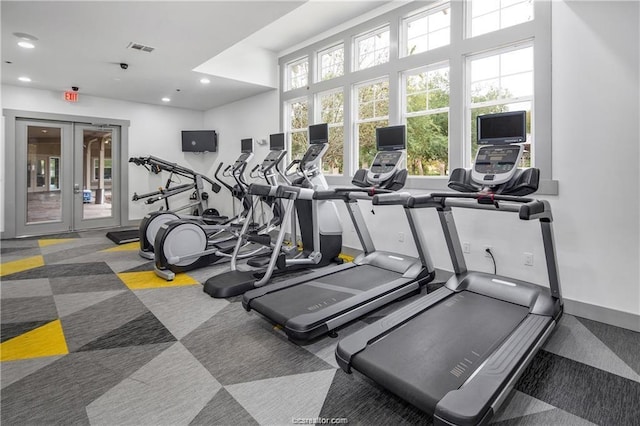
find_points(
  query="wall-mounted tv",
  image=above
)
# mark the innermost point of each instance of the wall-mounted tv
(392, 138)
(199, 141)
(502, 128)
(246, 145)
(276, 142)
(318, 133)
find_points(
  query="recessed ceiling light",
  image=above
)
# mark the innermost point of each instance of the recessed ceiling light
(25, 36)
(166, 99)
(45, 131)
(26, 44)
(25, 79)
(205, 80)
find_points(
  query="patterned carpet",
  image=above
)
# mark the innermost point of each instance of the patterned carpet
(91, 336)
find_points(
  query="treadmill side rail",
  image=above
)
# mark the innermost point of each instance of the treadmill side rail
(480, 397)
(349, 346)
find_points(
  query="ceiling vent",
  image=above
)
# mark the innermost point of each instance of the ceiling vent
(140, 47)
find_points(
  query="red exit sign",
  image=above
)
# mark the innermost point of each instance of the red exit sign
(71, 96)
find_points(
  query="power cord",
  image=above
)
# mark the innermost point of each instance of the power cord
(495, 271)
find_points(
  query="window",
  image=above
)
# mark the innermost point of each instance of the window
(331, 108)
(297, 74)
(372, 48)
(502, 81)
(297, 124)
(433, 66)
(372, 111)
(96, 169)
(331, 62)
(492, 15)
(427, 30)
(427, 117)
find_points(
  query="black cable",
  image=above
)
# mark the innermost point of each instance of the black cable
(495, 270)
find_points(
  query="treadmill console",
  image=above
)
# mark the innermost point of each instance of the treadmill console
(495, 165)
(313, 156)
(384, 166)
(272, 159)
(244, 158)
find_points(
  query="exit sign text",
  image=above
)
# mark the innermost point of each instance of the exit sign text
(71, 96)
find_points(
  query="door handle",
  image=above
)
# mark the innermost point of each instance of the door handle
(76, 188)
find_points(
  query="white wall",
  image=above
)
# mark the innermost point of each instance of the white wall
(255, 117)
(154, 130)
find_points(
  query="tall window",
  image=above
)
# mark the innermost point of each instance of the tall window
(331, 62)
(297, 73)
(297, 124)
(499, 82)
(372, 48)
(427, 117)
(427, 30)
(493, 15)
(372, 111)
(331, 108)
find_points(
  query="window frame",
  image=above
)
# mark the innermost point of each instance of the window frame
(327, 50)
(537, 30)
(318, 119)
(415, 16)
(369, 34)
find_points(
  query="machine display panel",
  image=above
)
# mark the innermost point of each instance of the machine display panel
(318, 133)
(199, 141)
(502, 128)
(246, 145)
(392, 138)
(276, 142)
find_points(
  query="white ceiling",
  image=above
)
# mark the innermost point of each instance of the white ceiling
(82, 43)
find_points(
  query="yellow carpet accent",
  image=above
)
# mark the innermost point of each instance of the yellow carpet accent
(47, 340)
(135, 245)
(52, 241)
(25, 264)
(346, 257)
(148, 279)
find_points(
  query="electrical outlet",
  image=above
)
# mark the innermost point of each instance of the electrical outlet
(528, 259)
(401, 237)
(466, 247)
(485, 248)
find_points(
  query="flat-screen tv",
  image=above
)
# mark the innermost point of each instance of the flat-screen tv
(276, 142)
(392, 138)
(502, 128)
(246, 145)
(199, 141)
(318, 133)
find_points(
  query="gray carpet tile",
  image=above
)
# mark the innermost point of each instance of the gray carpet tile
(20, 251)
(25, 288)
(19, 243)
(144, 267)
(59, 392)
(625, 343)
(223, 409)
(70, 270)
(519, 404)
(238, 347)
(169, 304)
(91, 323)
(579, 389)
(71, 303)
(12, 371)
(555, 417)
(81, 254)
(169, 390)
(362, 402)
(86, 283)
(143, 330)
(61, 235)
(11, 330)
(27, 309)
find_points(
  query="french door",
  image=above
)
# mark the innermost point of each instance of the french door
(70, 179)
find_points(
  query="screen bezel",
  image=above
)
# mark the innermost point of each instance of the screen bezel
(277, 137)
(395, 131)
(520, 137)
(206, 140)
(246, 145)
(318, 133)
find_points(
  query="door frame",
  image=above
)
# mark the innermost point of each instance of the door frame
(9, 175)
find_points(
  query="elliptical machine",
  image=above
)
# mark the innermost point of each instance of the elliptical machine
(184, 245)
(319, 223)
(152, 222)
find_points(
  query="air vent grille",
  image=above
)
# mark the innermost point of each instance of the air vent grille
(141, 47)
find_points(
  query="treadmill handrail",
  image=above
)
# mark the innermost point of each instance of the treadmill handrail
(345, 192)
(527, 208)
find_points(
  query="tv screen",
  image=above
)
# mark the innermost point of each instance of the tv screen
(199, 141)
(319, 133)
(502, 128)
(246, 145)
(392, 138)
(276, 142)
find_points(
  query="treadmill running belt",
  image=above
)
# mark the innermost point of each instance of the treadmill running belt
(438, 350)
(325, 291)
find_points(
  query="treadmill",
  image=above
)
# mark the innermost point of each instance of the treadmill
(315, 304)
(457, 352)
